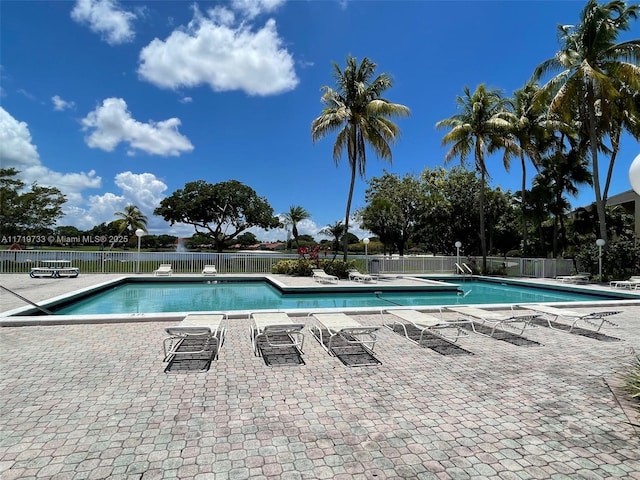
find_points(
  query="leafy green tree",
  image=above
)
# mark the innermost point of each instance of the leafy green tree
(295, 215)
(222, 210)
(594, 73)
(247, 239)
(394, 208)
(478, 128)
(27, 211)
(361, 116)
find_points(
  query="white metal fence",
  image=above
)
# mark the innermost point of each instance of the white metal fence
(21, 261)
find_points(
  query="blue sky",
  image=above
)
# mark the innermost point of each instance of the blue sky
(120, 103)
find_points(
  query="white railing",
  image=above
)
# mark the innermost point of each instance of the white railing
(21, 261)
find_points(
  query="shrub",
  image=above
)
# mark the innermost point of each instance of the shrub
(632, 383)
(302, 267)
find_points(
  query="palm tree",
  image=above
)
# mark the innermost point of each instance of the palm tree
(528, 126)
(480, 128)
(131, 219)
(295, 215)
(335, 230)
(594, 72)
(356, 110)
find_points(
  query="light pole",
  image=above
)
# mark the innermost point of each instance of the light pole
(600, 243)
(458, 244)
(366, 252)
(139, 234)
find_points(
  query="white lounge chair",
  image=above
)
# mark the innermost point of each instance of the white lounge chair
(360, 277)
(491, 319)
(321, 276)
(552, 314)
(578, 278)
(196, 334)
(632, 284)
(427, 323)
(270, 327)
(209, 270)
(329, 327)
(163, 270)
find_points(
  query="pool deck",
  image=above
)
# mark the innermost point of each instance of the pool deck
(92, 401)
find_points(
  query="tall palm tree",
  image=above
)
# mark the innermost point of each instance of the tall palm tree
(356, 110)
(593, 72)
(528, 125)
(335, 230)
(478, 128)
(295, 215)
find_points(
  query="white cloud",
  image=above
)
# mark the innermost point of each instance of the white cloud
(59, 104)
(210, 50)
(16, 149)
(253, 8)
(144, 190)
(112, 124)
(106, 18)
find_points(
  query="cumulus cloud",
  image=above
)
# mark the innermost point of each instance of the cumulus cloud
(59, 104)
(106, 18)
(213, 51)
(143, 190)
(253, 8)
(18, 151)
(16, 147)
(112, 124)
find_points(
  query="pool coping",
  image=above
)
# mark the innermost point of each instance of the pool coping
(12, 318)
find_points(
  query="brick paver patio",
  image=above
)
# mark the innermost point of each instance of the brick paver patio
(92, 402)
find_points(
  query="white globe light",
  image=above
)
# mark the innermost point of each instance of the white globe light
(634, 174)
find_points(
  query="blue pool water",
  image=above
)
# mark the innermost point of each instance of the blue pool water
(154, 297)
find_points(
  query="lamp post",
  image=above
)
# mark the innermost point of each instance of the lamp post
(139, 234)
(366, 252)
(458, 244)
(600, 243)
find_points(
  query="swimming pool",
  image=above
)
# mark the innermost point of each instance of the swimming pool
(170, 296)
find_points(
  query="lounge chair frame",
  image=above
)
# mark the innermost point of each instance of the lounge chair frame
(427, 323)
(340, 325)
(270, 326)
(551, 314)
(210, 328)
(494, 320)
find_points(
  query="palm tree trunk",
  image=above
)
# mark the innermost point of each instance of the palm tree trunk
(615, 144)
(523, 204)
(483, 236)
(345, 238)
(593, 140)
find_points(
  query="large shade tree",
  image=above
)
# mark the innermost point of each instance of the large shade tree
(221, 211)
(594, 75)
(359, 114)
(27, 211)
(478, 129)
